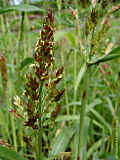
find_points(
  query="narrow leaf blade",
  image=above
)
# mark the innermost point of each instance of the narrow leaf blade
(62, 141)
(8, 154)
(21, 7)
(26, 61)
(71, 38)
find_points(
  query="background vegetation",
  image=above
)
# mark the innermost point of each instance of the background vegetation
(86, 126)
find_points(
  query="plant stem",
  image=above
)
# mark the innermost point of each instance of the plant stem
(76, 4)
(40, 128)
(83, 111)
(62, 58)
(13, 132)
(117, 139)
(75, 75)
(21, 46)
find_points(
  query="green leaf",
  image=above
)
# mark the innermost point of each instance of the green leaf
(85, 139)
(76, 140)
(80, 75)
(95, 156)
(21, 7)
(115, 53)
(102, 120)
(110, 106)
(62, 141)
(71, 38)
(95, 146)
(7, 154)
(108, 156)
(93, 104)
(77, 103)
(104, 59)
(68, 118)
(26, 61)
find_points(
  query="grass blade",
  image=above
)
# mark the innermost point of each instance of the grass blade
(102, 120)
(26, 61)
(22, 8)
(80, 76)
(62, 141)
(95, 146)
(8, 154)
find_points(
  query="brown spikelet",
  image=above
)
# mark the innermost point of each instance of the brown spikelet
(94, 16)
(4, 143)
(83, 3)
(55, 113)
(104, 4)
(3, 68)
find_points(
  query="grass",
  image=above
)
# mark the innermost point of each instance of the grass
(84, 124)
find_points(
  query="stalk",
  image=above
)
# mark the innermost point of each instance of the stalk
(117, 139)
(65, 85)
(75, 77)
(21, 37)
(83, 110)
(40, 128)
(62, 59)
(13, 132)
(76, 4)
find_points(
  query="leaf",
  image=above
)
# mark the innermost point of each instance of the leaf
(73, 103)
(108, 156)
(26, 61)
(102, 120)
(85, 139)
(115, 53)
(21, 7)
(110, 106)
(95, 156)
(59, 35)
(78, 103)
(93, 104)
(95, 146)
(104, 59)
(62, 141)
(67, 118)
(80, 75)
(71, 38)
(7, 154)
(76, 140)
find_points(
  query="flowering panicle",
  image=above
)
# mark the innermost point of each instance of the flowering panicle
(92, 21)
(43, 72)
(94, 16)
(44, 49)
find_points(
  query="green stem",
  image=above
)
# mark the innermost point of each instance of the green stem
(13, 131)
(83, 111)
(62, 58)
(75, 75)
(20, 47)
(76, 4)
(117, 139)
(40, 127)
(75, 62)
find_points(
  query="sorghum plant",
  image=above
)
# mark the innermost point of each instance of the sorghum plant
(95, 47)
(41, 93)
(95, 51)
